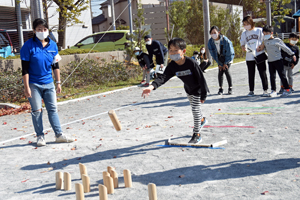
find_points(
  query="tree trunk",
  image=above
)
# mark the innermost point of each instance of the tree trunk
(61, 32)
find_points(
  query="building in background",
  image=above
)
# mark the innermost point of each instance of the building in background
(74, 33)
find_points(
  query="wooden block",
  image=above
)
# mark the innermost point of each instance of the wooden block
(86, 183)
(113, 116)
(102, 192)
(59, 180)
(79, 191)
(67, 181)
(170, 142)
(127, 178)
(114, 176)
(82, 169)
(105, 174)
(109, 184)
(109, 168)
(152, 191)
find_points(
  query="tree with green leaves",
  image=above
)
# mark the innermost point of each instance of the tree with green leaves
(69, 11)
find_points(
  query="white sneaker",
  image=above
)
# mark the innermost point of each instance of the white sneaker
(273, 94)
(41, 141)
(64, 139)
(265, 93)
(286, 93)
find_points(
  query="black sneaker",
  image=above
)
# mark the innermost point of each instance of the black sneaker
(281, 91)
(196, 138)
(230, 91)
(220, 91)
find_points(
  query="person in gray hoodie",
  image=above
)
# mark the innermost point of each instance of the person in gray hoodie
(274, 47)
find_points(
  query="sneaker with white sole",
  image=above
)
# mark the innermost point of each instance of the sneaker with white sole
(273, 94)
(196, 138)
(281, 91)
(251, 94)
(265, 93)
(41, 141)
(64, 139)
(286, 93)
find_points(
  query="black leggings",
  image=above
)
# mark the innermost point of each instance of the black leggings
(228, 76)
(204, 65)
(277, 66)
(262, 68)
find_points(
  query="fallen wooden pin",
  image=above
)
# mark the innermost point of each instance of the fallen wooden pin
(216, 144)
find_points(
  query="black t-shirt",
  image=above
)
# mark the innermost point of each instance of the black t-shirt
(143, 59)
(287, 57)
(157, 49)
(190, 74)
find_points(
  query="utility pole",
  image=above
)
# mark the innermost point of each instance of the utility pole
(37, 9)
(19, 22)
(295, 12)
(113, 14)
(168, 24)
(269, 20)
(130, 17)
(206, 21)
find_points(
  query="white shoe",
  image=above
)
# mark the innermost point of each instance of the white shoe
(265, 93)
(41, 141)
(64, 139)
(273, 94)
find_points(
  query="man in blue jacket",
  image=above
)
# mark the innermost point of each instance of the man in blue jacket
(221, 49)
(156, 48)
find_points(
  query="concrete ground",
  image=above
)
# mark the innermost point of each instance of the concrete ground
(260, 161)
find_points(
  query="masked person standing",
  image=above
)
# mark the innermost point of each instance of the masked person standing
(196, 57)
(156, 48)
(188, 71)
(145, 64)
(251, 38)
(221, 49)
(39, 57)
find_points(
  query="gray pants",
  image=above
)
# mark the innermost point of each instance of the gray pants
(146, 75)
(288, 71)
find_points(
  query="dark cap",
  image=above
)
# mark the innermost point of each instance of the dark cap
(146, 37)
(195, 52)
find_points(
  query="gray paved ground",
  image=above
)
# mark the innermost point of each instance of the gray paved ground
(263, 158)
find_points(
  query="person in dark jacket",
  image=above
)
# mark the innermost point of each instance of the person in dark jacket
(221, 49)
(195, 86)
(145, 64)
(288, 62)
(156, 48)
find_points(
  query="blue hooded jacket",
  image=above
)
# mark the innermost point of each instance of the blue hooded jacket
(228, 50)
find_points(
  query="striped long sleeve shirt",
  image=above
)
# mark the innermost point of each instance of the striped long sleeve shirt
(274, 47)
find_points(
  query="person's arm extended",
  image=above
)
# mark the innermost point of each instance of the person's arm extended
(57, 79)
(280, 44)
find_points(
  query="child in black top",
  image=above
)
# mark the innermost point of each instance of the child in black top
(288, 62)
(204, 62)
(188, 71)
(145, 64)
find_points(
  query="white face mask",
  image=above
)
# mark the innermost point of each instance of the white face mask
(214, 36)
(266, 37)
(148, 42)
(202, 51)
(293, 42)
(137, 53)
(175, 57)
(42, 35)
(247, 27)
(196, 55)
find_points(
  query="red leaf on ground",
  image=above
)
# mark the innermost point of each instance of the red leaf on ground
(219, 109)
(101, 139)
(22, 138)
(170, 116)
(29, 142)
(4, 123)
(88, 99)
(115, 156)
(48, 163)
(24, 181)
(181, 176)
(74, 148)
(137, 128)
(104, 96)
(75, 139)
(83, 123)
(14, 128)
(68, 128)
(35, 148)
(265, 193)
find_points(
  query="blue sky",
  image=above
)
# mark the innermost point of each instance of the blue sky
(95, 4)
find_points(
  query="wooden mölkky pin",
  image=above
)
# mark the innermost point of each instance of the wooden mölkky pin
(152, 191)
(102, 192)
(113, 116)
(82, 169)
(114, 176)
(105, 174)
(86, 183)
(109, 184)
(67, 181)
(79, 191)
(59, 180)
(109, 168)
(127, 178)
